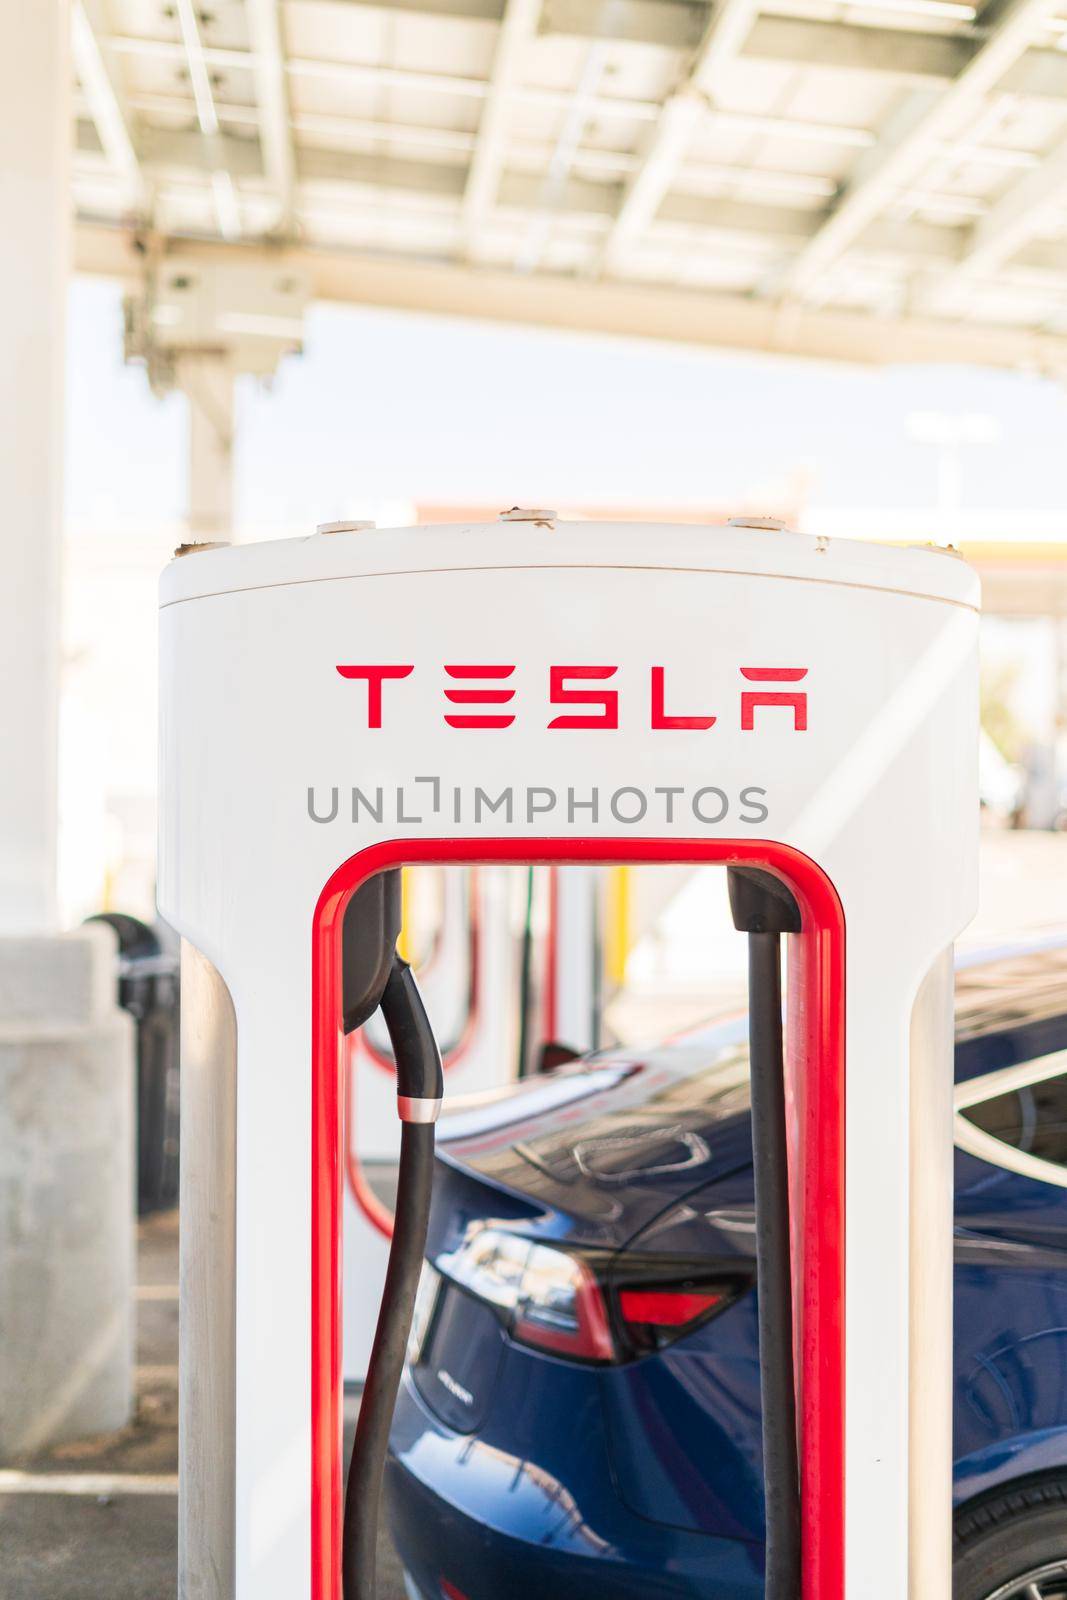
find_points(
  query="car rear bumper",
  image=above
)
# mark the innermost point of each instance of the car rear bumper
(471, 1522)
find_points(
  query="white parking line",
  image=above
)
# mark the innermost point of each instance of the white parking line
(87, 1483)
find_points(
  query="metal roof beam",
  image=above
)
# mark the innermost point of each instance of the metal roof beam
(383, 77)
(185, 154)
(678, 25)
(923, 121)
(332, 125)
(670, 138)
(272, 98)
(1011, 223)
(929, 59)
(632, 311)
(227, 210)
(518, 27)
(101, 79)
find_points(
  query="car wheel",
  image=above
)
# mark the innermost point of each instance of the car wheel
(1012, 1545)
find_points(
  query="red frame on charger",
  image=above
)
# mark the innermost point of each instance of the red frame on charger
(815, 1069)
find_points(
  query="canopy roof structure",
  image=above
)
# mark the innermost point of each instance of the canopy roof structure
(869, 180)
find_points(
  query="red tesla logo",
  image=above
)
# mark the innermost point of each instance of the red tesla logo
(483, 691)
(480, 697)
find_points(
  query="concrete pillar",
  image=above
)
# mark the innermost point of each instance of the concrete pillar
(66, 1054)
(208, 382)
(66, 1192)
(35, 135)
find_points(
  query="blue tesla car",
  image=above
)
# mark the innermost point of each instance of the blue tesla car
(580, 1414)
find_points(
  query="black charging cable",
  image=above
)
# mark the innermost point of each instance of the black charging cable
(764, 909)
(374, 976)
(419, 1088)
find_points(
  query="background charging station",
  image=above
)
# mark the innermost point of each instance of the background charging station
(469, 982)
(476, 974)
(335, 706)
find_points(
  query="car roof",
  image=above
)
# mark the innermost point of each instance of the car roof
(1014, 992)
(1012, 1007)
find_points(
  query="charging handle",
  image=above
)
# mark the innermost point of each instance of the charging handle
(374, 975)
(369, 933)
(760, 902)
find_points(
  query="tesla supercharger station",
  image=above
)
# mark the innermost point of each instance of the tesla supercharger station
(534, 692)
(469, 983)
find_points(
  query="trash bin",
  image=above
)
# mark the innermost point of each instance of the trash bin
(149, 989)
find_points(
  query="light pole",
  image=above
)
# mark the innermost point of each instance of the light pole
(949, 432)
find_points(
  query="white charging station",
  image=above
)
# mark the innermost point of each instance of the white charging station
(342, 704)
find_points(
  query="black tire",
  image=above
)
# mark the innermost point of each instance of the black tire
(1013, 1538)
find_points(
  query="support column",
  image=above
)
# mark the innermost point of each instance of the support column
(66, 1193)
(35, 135)
(208, 383)
(66, 1051)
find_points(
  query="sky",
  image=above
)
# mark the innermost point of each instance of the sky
(390, 408)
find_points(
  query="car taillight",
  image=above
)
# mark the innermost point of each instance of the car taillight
(551, 1298)
(660, 1299)
(588, 1305)
(666, 1308)
(562, 1308)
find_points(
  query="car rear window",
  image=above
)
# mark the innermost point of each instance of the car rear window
(1032, 1119)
